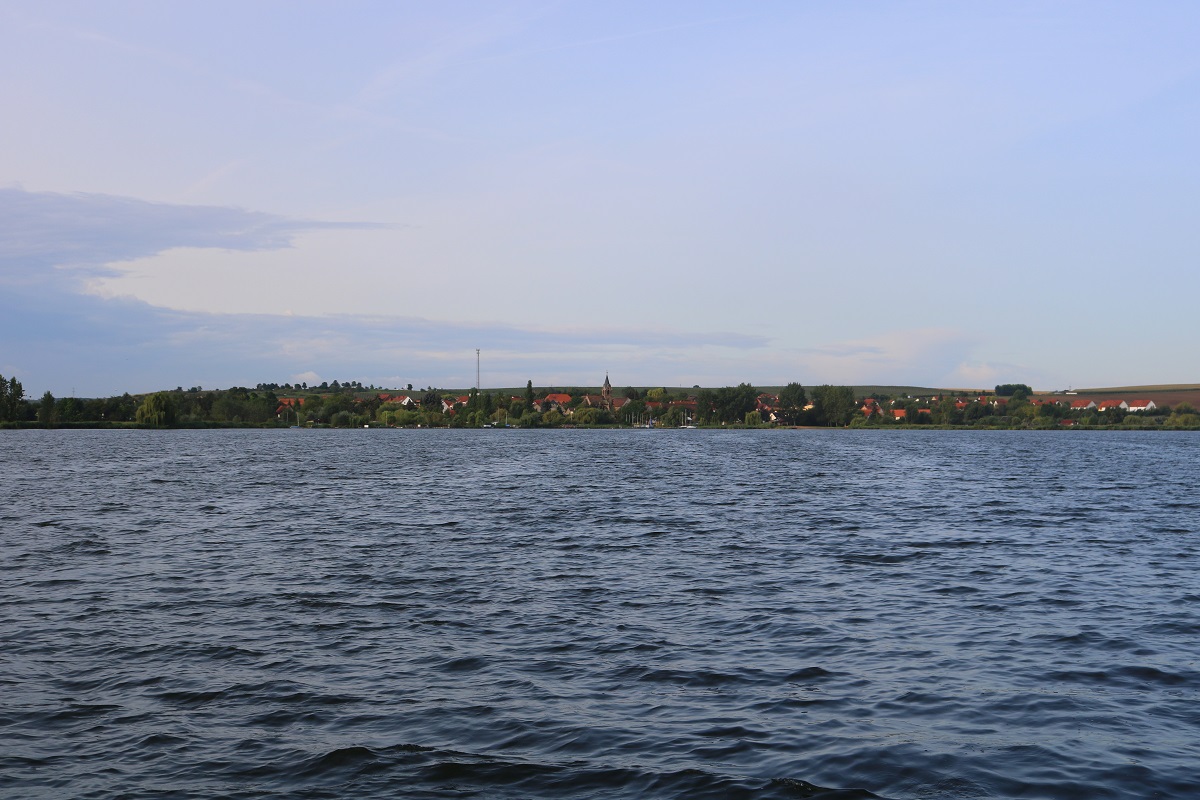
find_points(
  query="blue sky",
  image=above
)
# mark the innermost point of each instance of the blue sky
(675, 193)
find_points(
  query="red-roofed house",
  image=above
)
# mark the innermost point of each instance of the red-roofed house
(289, 403)
(448, 406)
(1106, 405)
(1141, 405)
(1082, 405)
(398, 399)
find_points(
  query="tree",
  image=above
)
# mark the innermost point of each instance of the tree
(946, 413)
(12, 398)
(69, 409)
(633, 411)
(529, 396)
(706, 405)
(45, 412)
(1183, 416)
(1009, 389)
(157, 409)
(673, 418)
(833, 405)
(792, 400)
(405, 419)
(732, 402)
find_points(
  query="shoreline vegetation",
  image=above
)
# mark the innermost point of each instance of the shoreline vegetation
(352, 405)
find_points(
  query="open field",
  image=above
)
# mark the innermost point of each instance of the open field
(1163, 387)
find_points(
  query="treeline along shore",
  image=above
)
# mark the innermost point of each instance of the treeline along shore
(352, 405)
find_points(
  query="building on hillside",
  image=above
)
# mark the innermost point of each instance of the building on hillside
(605, 399)
(1112, 405)
(449, 405)
(556, 401)
(398, 399)
(289, 404)
(1141, 405)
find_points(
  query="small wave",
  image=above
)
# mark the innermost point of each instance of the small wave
(1135, 674)
(880, 558)
(465, 664)
(84, 547)
(356, 756)
(1175, 627)
(734, 732)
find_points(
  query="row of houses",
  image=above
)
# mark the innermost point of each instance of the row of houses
(871, 407)
(1110, 405)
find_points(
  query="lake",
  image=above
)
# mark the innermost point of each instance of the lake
(609, 613)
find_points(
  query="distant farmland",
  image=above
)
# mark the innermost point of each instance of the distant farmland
(1163, 387)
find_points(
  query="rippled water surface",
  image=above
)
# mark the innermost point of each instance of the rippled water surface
(628, 614)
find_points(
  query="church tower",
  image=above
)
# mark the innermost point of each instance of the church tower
(606, 393)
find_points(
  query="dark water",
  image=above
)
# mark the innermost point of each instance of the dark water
(616, 614)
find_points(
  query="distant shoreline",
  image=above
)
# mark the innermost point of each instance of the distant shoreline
(133, 426)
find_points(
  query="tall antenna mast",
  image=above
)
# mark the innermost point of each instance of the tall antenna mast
(476, 370)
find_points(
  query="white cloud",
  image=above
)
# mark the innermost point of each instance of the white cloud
(893, 357)
(309, 377)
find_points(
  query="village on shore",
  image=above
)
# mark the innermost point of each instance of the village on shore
(828, 406)
(351, 404)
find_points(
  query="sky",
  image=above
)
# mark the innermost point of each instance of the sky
(672, 193)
